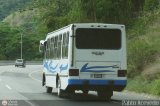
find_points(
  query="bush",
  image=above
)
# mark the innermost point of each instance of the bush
(140, 53)
(151, 5)
(2, 57)
(152, 72)
(139, 84)
(155, 87)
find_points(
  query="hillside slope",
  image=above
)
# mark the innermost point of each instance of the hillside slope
(144, 54)
(26, 23)
(9, 6)
(22, 18)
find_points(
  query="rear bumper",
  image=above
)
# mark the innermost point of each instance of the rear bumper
(19, 64)
(80, 84)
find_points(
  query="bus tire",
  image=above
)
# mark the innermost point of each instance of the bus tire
(49, 89)
(105, 95)
(60, 91)
(43, 80)
(70, 93)
(85, 92)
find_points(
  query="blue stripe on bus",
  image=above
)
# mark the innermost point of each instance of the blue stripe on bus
(95, 82)
(63, 67)
(50, 68)
(98, 82)
(85, 68)
(120, 82)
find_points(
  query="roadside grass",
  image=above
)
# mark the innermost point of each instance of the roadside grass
(143, 42)
(152, 71)
(21, 18)
(140, 85)
(144, 55)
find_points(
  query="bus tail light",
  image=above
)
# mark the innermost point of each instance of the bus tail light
(74, 72)
(122, 73)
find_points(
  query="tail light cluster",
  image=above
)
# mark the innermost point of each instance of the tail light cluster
(122, 73)
(74, 72)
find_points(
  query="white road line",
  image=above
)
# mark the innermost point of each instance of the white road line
(8, 87)
(30, 75)
(30, 103)
(116, 102)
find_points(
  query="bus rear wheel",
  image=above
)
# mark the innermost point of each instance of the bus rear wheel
(60, 91)
(105, 95)
(49, 89)
(85, 92)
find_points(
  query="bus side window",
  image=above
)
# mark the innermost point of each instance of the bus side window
(65, 45)
(45, 53)
(52, 47)
(48, 49)
(56, 47)
(59, 46)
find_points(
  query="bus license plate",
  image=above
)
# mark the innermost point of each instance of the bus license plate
(97, 75)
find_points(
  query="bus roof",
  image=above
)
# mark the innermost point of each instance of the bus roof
(85, 24)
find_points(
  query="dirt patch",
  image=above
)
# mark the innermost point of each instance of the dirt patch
(152, 71)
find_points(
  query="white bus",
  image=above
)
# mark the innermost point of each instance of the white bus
(86, 57)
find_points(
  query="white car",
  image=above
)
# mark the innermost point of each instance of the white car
(20, 62)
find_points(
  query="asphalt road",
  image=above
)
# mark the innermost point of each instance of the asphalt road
(22, 87)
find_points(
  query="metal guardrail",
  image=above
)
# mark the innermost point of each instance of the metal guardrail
(12, 62)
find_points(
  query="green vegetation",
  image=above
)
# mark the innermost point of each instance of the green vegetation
(139, 84)
(9, 6)
(144, 42)
(39, 17)
(61, 13)
(143, 51)
(10, 43)
(34, 18)
(5, 38)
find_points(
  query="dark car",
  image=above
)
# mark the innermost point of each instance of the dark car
(20, 62)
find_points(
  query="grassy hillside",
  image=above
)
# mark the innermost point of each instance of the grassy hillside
(144, 54)
(27, 19)
(27, 24)
(43, 16)
(9, 6)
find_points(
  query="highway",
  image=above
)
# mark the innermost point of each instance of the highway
(22, 87)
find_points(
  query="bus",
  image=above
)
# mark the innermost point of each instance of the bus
(86, 57)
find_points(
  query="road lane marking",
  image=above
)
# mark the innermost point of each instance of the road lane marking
(8, 87)
(30, 103)
(30, 75)
(113, 101)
